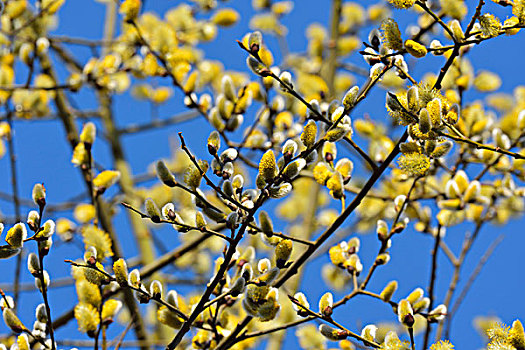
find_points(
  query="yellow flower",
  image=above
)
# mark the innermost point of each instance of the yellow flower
(414, 164)
(87, 318)
(226, 17)
(130, 9)
(415, 49)
(442, 345)
(95, 237)
(391, 35)
(402, 4)
(309, 134)
(106, 179)
(84, 213)
(490, 25)
(268, 166)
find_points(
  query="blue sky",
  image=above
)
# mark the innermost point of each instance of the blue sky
(44, 156)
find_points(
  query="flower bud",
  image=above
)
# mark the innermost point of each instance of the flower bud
(332, 333)
(255, 42)
(33, 264)
(455, 26)
(134, 278)
(90, 256)
(264, 265)
(286, 78)
(152, 210)
(155, 289)
(110, 309)
(473, 191)
(393, 103)
(399, 202)
(421, 304)
(40, 313)
(39, 195)
(294, 168)
(16, 235)
(326, 304)
(369, 332)
(425, 123)
(38, 281)
(442, 149)
(214, 142)
(247, 272)
(350, 97)
(415, 296)
(517, 335)
(88, 134)
(238, 287)
(301, 299)
(280, 191)
(415, 49)
(269, 276)
(388, 291)
(12, 321)
(383, 259)
(257, 67)
(335, 185)
(106, 179)
(172, 298)
(168, 318)
(405, 313)
(120, 269)
(382, 230)
(227, 88)
(165, 175)
(309, 134)
(438, 314)
(289, 149)
(283, 250)
(33, 220)
(47, 230)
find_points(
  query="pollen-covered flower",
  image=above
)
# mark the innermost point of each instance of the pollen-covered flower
(414, 164)
(391, 35)
(130, 9)
(442, 345)
(100, 240)
(517, 335)
(402, 4)
(490, 25)
(87, 318)
(268, 166)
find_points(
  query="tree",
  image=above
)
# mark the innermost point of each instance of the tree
(271, 186)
